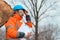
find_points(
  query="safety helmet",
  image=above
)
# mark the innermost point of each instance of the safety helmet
(18, 7)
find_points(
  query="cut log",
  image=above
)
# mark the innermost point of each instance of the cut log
(5, 12)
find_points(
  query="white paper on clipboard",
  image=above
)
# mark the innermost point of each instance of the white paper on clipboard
(24, 28)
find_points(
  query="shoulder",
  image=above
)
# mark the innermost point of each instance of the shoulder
(10, 21)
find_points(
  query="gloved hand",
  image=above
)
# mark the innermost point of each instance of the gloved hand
(24, 35)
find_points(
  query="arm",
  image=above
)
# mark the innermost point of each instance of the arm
(28, 19)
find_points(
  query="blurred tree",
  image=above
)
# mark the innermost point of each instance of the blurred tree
(35, 10)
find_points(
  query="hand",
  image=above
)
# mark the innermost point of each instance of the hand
(27, 35)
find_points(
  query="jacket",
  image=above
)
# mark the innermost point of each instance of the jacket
(11, 30)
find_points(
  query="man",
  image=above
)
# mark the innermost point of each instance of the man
(14, 24)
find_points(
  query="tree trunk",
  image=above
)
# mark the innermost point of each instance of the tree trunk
(36, 29)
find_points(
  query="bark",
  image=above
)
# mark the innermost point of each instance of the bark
(36, 28)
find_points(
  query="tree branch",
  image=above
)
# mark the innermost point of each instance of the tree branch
(47, 16)
(32, 2)
(32, 6)
(47, 9)
(33, 24)
(41, 5)
(28, 8)
(43, 18)
(13, 2)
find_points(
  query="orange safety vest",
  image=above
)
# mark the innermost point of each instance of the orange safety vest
(11, 32)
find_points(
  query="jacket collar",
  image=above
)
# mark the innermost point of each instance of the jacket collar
(17, 17)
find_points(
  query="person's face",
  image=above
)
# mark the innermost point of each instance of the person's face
(21, 12)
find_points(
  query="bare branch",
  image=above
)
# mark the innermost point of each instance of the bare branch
(47, 16)
(33, 24)
(28, 8)
(32, 6)
(32, 2)
(43, 17)
(41, 5)
(13, 2)
(47, 9)
(36, 7)
(33, 30)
